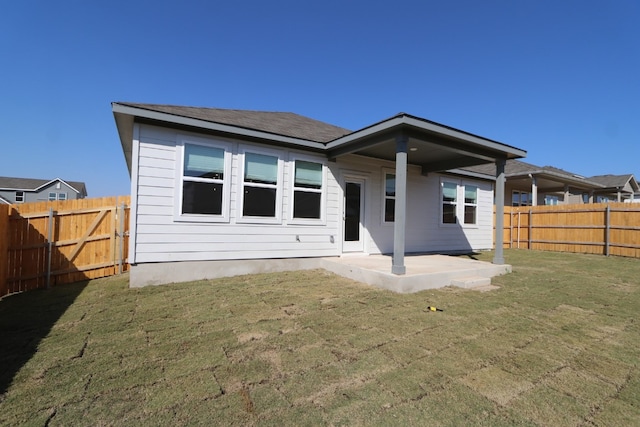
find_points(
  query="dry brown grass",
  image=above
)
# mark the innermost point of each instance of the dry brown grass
(557, 345)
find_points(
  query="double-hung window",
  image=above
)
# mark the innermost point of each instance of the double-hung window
(449, 202)
(260, 185)
(203, 180)
(389, 197)
(19, 196)
(470, 204)
(53, 196)
(307, 190)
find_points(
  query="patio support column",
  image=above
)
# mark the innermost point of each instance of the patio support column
(498, 257)
(400, 212)
(566, 194)
(534, 191)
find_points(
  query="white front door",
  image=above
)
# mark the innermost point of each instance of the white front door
(353, 235)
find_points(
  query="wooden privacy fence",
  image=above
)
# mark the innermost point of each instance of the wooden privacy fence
(603, 228)
(44, 244)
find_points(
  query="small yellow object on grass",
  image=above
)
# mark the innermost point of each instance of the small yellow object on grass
(430, 308)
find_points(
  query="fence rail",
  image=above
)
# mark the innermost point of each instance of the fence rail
(44, 244)
(603, 228)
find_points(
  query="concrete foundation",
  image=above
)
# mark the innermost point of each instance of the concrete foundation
(422, 271)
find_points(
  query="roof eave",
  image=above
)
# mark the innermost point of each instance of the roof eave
(400, 122)
(126, 115)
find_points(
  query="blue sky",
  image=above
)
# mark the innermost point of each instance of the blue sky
(559, 79)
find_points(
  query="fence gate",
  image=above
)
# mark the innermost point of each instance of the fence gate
(52, 243)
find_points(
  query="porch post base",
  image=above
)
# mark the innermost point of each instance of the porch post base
(398, 269)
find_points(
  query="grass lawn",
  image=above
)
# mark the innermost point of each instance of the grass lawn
(557, 345)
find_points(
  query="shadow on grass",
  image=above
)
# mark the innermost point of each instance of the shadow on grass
(25, 319)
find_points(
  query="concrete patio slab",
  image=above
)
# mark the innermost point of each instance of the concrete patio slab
(423, 271)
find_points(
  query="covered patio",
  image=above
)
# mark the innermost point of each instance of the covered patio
(406, 139)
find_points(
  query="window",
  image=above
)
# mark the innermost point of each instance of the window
(19, 196)
(389, 197)
(520, 198)
(203, 180)
(551, 200)
(470, 204)
(307, 190)
(449, 202)
(260, 189)
(53, 196)
(585, 197)
(62, 196)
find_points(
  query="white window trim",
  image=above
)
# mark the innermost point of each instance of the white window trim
(241, 219)
(52, 194)
(386, 171)
(460, 202)
(463, 186)
(62, 196)
(441, 202)
(226, 181)
(520, 193)
(22, 196)
(323, 198)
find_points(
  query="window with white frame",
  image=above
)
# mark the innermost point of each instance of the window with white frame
(260, 185)
(449, 191)
(520, 198)
(52, 196)
(19, 196)
(203, 180)
(389, 197)
(550, 200)
(62, 196)
(307, 190)
(470, 204)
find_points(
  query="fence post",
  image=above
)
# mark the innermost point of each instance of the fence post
(530, 228)
(607, 229)
(121, 238)
(49, 247)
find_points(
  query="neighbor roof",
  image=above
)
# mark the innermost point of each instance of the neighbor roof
(615, 181)
(518, 168)
(30, 184)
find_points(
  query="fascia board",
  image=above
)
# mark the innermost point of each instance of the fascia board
(219, 127)
(471, 174)
(485, 143)
(558, 177)
(363, 133)
(426, 126)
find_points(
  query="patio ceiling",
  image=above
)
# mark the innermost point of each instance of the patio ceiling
(430, 145)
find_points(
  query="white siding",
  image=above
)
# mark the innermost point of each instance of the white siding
(159, 237)
(424, 232)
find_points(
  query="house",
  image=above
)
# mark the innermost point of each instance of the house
(217, 192)
(531, 185)
(617, 188)
(22, 190)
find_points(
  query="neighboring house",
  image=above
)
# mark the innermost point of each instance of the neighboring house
(212, 189)
(22, 190)
(4, 201)
(531, 185)
(618, 188)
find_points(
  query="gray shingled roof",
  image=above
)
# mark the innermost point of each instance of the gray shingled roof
(30, 184)
(612, 181)
(280, 123)
(511, 168)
